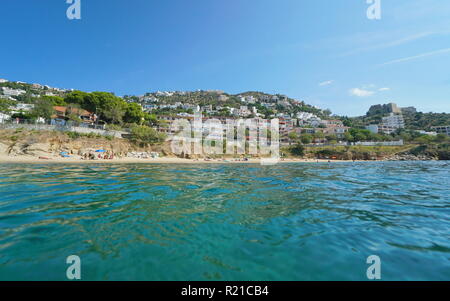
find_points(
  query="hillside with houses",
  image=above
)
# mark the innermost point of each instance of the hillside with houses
(155, 112)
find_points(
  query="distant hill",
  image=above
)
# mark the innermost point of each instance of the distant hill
(266, 104)
(279, 103)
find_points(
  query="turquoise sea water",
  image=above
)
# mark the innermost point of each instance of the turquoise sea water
(303, 221)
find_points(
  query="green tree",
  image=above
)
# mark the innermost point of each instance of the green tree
(331, 137)
(406, 136)
(5, 105)
(441, 138)
(106, 105)
(360, 136)
(327, 112)
(306, 138)
(151, 119)
(42, 108)
(424, 139)
(54, 100)
(293, 136)
(348, 137)
(144, 135)
(298, 150)
(319, 135)
(347, 122)
(81, 98)
(113, 114)
(134, 114)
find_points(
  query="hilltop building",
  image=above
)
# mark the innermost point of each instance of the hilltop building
(390, 108)
(409, 110)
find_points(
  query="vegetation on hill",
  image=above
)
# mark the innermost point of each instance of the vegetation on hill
(126, 112)
(413, 120)
(117, 110)
(425, 121)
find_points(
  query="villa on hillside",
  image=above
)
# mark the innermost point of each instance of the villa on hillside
(63, 114)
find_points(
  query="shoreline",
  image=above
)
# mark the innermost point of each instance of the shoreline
(165, 160)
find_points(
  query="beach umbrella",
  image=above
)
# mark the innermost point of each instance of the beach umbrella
(100, 151)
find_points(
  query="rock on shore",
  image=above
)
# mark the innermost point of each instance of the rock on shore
(410, 157)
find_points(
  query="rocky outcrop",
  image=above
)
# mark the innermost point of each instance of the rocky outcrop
(410, 157)
(424, 153)
(44, 143)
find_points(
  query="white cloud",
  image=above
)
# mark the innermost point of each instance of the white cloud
(326, 83)
(410, 58)
(369, 86)
(361, 92)
(396, 42)
(384, 89)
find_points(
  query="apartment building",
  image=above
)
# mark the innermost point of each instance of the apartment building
(442, 129)
(12, 92)
(394, 121)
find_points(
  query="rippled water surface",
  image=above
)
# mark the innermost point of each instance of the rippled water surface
(302, 221)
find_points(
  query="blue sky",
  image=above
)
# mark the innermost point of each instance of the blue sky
(327, 53)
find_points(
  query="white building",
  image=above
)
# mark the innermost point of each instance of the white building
(149, 99)
(2, 80)
(6, 97)
(427, 133)
(188, 106)
(243, 111)
(208, 109)
(149, 107)
(23, 107)
(4, 117)
(304, 116)
(394, 121)
(268, 105)
(265, 98)
(165, 93)
(12, 92)
(389, 124)
(315, 122)
(249, 99)
(442, 129)
(332, 123)
(283, 103)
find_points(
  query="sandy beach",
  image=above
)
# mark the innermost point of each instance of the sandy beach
(164, 160)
